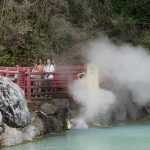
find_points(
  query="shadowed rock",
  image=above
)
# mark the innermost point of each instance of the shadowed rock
(62, 114)
(55, 117)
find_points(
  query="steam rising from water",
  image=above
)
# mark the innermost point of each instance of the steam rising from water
(125, 65)
(93, 101)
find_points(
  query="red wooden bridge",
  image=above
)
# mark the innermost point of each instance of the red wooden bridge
(63, 76)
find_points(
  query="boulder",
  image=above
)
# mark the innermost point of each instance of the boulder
(42, 115)
(13, 104)
(131, 114)
(125, 109)
(38, 123)
(53, 125)
(48, 109)
(62, 115)
(107, 118)
(55, 118)
(29, 132)
(10, 136)
(61, 102)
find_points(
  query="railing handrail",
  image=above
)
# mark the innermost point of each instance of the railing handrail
(63, 75)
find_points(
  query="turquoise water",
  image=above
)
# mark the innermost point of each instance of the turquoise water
(135, 136)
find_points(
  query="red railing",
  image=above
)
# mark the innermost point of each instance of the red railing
(63, 75)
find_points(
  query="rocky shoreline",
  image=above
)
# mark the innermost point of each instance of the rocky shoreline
(46, 118)
(23, 121)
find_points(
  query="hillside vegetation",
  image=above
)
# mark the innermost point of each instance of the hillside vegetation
(43, 28)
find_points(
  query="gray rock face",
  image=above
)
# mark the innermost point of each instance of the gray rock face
(61, 102)
(38, 123)
(11, 136)
(13, 104)
(108, 118)
(29, 132)
(131, 114)
(124, 107)
(48, 109)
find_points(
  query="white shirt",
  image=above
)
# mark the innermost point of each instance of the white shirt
(49, 68)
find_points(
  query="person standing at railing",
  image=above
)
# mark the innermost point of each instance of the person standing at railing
(48, 68)
(53, 62)
(38, 68)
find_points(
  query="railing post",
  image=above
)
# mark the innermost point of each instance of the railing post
(7, 72)
(68, 75)
(68, 80)
(17, 69)
(21, 79)
(55, 76)
(28, 85)
(54, 81)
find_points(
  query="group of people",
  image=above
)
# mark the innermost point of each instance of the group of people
(40, 67)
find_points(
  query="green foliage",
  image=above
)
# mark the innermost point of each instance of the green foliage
(31, 29)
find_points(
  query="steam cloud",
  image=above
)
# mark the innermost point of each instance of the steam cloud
(126, 66)
(93, 101)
